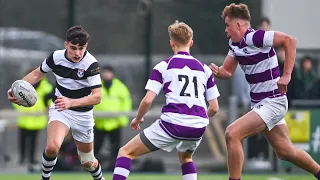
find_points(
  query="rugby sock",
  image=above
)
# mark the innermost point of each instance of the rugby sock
(189, 171)
(317, 175)
(122, 169)
(47, 166)
(234, 179)
(96, 173)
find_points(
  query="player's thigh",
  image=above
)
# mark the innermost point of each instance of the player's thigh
(82, 127)
(272, 111)
(58, 128)
(134, 148)
(247, 125)
(278, 137)
(154, 137)
(83, 134)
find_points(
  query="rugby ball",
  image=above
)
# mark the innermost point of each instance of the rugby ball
(24, 92)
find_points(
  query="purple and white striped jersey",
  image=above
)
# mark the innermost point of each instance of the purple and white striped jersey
(258, 60)
(187, 83)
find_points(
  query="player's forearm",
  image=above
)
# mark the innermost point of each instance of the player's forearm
(34, 76)
(290, 54)
(223, 74)
(86, 101)
(143, 109)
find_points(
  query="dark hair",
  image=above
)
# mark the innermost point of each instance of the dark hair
(264, 19)
(77, 35)
(240, 11)
(306, 58)
(108, 68)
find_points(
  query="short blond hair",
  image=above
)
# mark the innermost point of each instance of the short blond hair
(240, 11)
(180, 33)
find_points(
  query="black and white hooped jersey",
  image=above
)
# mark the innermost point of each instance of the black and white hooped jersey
(73, 80)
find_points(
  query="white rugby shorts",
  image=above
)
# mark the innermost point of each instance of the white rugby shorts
(272, 110)
(154, 137)
(80, 123)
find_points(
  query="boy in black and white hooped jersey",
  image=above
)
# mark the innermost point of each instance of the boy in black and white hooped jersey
(78, 88)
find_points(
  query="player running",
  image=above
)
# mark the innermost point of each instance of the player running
(78, 88)
(254, 51)
(187, 83)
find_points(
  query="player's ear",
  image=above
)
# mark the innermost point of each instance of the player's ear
(238, 25)
(171, 43)
(66, 44)
(191, 43)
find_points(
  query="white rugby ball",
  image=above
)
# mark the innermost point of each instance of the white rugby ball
(24, 92)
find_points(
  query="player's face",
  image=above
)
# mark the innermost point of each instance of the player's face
(75, 52)
(232, 29)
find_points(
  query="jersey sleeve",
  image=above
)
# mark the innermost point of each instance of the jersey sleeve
(47, 64)
(155, 81)
(93, 75)
(231, 53)
(212, 91)
(260, 38)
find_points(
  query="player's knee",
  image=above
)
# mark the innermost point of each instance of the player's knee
(125, 152)
(52, 149)
(230, 134)
(87, 159)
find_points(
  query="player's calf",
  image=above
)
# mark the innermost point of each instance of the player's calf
(91, 164)
(188, 168)
(131, 150)
(48, 164)
(286, 153)
(123, 163)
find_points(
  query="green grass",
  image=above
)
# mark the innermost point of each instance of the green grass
(86, 176)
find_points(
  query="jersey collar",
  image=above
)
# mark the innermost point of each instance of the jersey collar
(183, 53)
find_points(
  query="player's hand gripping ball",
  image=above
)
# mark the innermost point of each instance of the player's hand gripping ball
(24, 92)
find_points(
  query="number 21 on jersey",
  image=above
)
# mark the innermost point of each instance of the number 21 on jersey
(185, 79)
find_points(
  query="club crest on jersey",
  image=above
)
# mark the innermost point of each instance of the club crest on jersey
(80, 73)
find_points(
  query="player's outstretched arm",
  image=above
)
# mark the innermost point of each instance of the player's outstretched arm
(34, 76)
(213, 107)
(225, 71)
(145, 104)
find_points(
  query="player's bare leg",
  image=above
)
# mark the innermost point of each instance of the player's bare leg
(279, 138)
(188, 168)
(88, 161)
(56, 132)
(134, 148)
(247, 125)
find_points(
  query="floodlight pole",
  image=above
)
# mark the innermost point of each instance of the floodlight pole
(148, 39)
(71, 13)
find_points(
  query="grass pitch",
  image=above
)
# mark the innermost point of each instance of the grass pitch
(134, 176)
